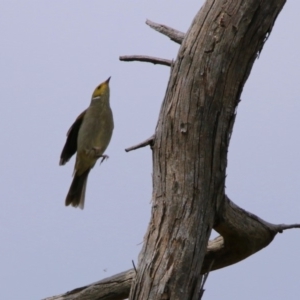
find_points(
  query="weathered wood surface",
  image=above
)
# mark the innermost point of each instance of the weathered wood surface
(191, 143)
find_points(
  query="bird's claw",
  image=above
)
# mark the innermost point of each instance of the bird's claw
(104, 157)
(95, 152)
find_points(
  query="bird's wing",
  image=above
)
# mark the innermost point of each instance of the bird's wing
(70, 146)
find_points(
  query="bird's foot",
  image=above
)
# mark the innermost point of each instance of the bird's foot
(104, 157)
(97, 153)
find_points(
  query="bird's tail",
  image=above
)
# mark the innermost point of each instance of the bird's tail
(76, 192)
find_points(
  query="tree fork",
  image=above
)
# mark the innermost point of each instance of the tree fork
(243, 234)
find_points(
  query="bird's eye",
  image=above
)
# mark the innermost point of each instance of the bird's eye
(98, 88)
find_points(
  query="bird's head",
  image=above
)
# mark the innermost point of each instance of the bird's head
(101, 89)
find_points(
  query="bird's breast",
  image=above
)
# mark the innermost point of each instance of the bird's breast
(96, 130)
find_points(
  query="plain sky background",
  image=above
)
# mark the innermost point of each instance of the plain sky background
(52, 56)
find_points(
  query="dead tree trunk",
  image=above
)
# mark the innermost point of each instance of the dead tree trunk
(191, 143)
(190, 148)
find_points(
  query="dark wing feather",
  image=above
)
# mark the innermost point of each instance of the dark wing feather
(70, 146)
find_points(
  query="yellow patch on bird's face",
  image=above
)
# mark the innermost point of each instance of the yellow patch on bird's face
(100, 89)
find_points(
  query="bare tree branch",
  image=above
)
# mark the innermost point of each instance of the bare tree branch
(116, 287)
(154, 60)
(148, 142)
(242, 234)
(173, 34)
(282, 227)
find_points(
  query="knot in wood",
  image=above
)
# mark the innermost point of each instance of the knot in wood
(183, 127)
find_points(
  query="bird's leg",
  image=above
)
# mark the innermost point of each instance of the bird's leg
(97, 154)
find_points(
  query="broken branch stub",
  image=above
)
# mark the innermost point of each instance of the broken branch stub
(175, 35)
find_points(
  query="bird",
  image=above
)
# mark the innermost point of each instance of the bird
(89, 136)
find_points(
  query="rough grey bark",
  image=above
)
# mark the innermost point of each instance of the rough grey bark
(191, 143)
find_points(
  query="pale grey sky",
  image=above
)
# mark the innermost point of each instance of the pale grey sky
(53, 54)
